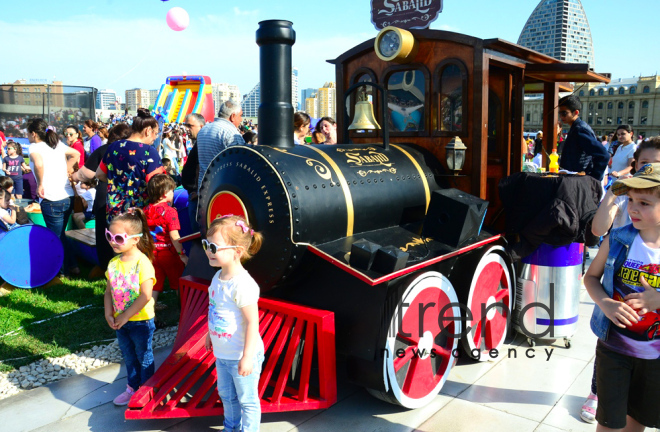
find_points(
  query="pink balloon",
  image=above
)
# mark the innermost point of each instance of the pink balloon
(177, 19)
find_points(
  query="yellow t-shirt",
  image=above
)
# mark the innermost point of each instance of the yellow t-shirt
(125, 280)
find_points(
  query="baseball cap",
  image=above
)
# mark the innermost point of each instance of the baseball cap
(647, 177)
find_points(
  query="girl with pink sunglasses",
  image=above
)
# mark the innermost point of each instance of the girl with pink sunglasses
(129, 307)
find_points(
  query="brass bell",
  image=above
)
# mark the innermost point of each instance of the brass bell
(364, 118)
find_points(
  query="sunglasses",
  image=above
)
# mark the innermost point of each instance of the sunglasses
(214, 248)
(70, 134)
(564, 113)
(119, 239)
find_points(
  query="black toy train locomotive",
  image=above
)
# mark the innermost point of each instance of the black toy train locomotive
(314, 203)
(371, 230)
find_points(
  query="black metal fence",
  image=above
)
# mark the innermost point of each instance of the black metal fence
(59, 105)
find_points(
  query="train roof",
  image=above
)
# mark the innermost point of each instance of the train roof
(539, 68)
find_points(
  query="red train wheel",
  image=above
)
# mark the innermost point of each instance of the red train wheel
(418, 352)
(490, 284)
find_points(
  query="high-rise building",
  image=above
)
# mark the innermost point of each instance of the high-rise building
(307, 93)
(312, 106)
(559, 29)
(106, 99)
(294, 90)
(153, 95)
(137, 98)
(251, 102)
(223, 92)
(327, 100)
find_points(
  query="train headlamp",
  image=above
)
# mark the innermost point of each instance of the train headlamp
(395, 44)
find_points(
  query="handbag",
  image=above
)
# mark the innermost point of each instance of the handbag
(79, 204)
(22, 217)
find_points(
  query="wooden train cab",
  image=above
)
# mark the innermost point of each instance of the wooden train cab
(445, 85)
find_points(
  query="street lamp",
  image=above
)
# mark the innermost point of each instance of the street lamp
(43, 101)
(48, 96)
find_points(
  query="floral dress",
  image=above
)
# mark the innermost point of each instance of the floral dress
(129, 165)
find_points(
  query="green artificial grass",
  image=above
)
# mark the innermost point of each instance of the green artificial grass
(23, 339)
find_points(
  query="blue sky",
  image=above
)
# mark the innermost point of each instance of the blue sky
(121, 44)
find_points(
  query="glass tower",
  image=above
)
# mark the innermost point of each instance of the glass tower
(251, 102)
(559, 29)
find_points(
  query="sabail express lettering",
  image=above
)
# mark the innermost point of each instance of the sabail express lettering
(373, 158)
(392, 6)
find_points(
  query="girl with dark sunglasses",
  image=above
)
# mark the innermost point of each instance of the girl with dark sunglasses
(129, 307)
(74, 140)
(233, 320)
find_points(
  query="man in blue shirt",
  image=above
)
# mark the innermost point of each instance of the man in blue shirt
(582, 150)
(217, 136)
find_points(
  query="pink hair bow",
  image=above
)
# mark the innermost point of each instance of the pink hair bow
(244, 226)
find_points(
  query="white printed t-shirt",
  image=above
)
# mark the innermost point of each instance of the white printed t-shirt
(227, 325)
(642, 339)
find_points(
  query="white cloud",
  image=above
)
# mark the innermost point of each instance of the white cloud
(239, 12)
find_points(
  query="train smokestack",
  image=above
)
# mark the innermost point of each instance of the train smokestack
(275, 38)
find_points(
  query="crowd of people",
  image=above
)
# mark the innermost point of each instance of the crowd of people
(605, 158)
(15, 126)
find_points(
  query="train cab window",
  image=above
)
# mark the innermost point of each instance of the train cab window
(406, 101)
(451, 82)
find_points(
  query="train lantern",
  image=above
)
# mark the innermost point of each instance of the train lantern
(403, 253)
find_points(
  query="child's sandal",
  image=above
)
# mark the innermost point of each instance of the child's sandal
(588, 412)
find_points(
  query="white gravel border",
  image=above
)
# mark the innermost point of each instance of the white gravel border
(50, 370)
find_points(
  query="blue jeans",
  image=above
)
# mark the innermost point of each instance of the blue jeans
(135, 342)
(56, 215)
(239, 393)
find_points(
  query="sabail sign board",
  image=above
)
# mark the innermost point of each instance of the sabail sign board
(405, 14)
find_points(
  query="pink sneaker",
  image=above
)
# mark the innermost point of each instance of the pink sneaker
(125, 397)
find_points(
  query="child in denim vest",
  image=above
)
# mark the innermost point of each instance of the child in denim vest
(613, 213)
(234, 321)
(628, 352)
